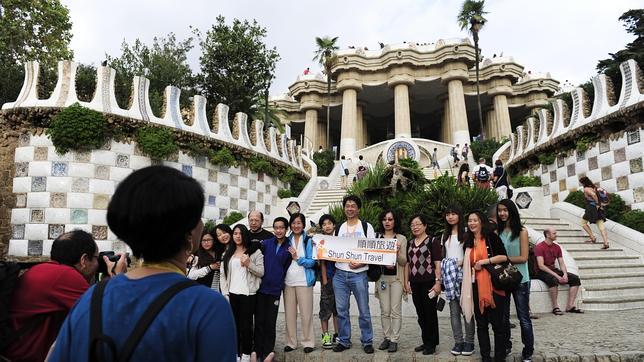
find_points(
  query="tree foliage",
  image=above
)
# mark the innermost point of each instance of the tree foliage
(164, 63)
(485, 149)
(31, 30)
(236, 64)
(471, 9)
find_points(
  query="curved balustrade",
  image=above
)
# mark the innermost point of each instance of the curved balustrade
(558, 124)
(104, 101)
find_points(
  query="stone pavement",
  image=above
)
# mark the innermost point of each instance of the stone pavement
(593, 336)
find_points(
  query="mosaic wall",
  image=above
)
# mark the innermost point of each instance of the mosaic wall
(616, 165)
(58, 193)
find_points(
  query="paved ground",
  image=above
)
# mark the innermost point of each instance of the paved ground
(593, 336)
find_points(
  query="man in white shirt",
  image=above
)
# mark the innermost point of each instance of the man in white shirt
(483, 174)
(352, 278)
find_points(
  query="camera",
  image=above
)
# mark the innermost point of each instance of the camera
(111, 255)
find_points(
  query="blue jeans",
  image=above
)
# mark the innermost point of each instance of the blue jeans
(522, 303)
(345, 283)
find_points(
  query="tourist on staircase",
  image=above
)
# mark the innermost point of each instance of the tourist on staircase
(452, 242)
(240, 279)
(327, 297)
(483, 174)
(344, 172)
(298, 290)
(478, 297)
(424, 271)
(389, 288)
(515, 241)
(277, 260)
(463, 177)
(594, 213)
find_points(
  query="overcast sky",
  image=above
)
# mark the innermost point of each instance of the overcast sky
(563, 37)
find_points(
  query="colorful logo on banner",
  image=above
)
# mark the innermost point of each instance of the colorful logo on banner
(359, 250)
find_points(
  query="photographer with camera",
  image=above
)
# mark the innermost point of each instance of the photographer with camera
(44, 294)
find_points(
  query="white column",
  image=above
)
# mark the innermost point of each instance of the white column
(360, 138)
(349, 118)
(402, 127)
(311, 127)
(322, 135)
(446, 127)
(503, 128)
(458, 113)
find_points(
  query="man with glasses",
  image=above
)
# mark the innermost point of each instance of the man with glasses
(44, 294)
(351, 278)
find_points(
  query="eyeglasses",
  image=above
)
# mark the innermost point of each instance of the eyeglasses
(417, 225)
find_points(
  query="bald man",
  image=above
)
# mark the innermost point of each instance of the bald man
(257, 233)
(547, 253)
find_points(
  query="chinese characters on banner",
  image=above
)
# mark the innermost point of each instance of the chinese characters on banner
(360, 250)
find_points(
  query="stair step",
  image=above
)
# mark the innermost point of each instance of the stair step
(613, 289)
(573, 245)
(589, 280)
(574, 252)
(611, 268)
(588, 261)
(615, 302)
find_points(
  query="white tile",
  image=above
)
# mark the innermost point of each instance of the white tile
(635, 180)
(24, 154)
(81, 169)
(635, 150)
(46, 247)
(210, 212)
(39, 168)
(609, 185)
(172, 164)
(234, 171)
(621, 169)
(221, 202)
(119, 173)
(54, 156)
(20, 216)
(36, 231)
(223, 178)
(120, 147)
(97, 217)
(72, 227)
(110, 234)
(59, 184)
(80, 200)
(252, 195)
(104, 245)
(101, 186)
(21, 184)
(57, 216)
(594, 175)
(605, 159)
(233, 191)
(102, 157)
(199, 173)
(618, 143)
(243, 182)
(40, 140)
(242, 205)
(138, 162)
(627, 196)
(38, 199)
(185, 159)
(18, 247)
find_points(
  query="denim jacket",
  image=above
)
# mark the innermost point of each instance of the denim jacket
(307, 260)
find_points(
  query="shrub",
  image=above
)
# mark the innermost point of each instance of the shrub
(209, 226)
(634, 219)
(288, 175)
(584, 142)
(233, 217)
(259, 165)
(297, 185)
(77, 128)
(324, 161)
(485, 149)
(223, 156)
(284, 193)
(526, 181)
(546, 158)
(614, 211)
(156, 142)
(369, 213)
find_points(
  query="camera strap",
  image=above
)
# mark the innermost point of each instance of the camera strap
(96, 323)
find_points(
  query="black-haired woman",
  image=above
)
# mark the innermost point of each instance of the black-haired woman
(423, 269)
(478, 297)
(243, 268)
(299, 281)
(389, 288)
(594, 213)
(156, 211)
(452, 240)
(515, 241)
(207, 261)
(463, 177)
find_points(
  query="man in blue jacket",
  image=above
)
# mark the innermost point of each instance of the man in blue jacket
(277, 259)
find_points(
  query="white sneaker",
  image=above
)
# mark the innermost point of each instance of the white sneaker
(245, 358)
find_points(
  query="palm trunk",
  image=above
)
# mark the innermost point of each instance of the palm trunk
(478, 94)
(328, 110)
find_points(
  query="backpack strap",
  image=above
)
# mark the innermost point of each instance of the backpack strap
(96, 323)
(365, 227)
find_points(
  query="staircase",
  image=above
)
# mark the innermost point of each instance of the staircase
(611, 279)
(324, 198)
(429, 173)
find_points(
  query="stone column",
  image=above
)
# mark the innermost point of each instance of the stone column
(359, 127)
(322, 135)
(503, 127)
(349, 120)
(457, 112)
(402, 125)
(490, 125)
(446, 131)
(311, 127)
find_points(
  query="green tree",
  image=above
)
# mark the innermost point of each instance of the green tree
(260, 110)
(236, 65)
(85, 82)
(164, 63)
(31, 30)
(634, 23)
(471, 15)
(325, 55)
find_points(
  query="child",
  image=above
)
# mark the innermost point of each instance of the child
(327, 298)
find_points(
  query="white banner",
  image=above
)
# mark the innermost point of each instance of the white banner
(360, 250)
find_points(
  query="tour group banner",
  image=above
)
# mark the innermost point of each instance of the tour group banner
(360, 250)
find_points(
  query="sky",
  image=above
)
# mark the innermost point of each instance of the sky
(563, 37)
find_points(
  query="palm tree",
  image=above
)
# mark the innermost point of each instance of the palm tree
(472, 15)
(325, 55)
(267, 112)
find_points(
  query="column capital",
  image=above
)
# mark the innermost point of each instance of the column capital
(500, 90)
(397, 79)
(349, 84)
(310, 101)
(454, 74)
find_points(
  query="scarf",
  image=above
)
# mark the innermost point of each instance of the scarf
(467, 305)
(483, 277)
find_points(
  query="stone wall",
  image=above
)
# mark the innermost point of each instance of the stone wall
(8, 143)
(613, 164)
(47, 193)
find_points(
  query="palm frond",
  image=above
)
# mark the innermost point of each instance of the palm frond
(471, 9)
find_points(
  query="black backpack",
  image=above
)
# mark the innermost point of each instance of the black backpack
(96, 336)
(375, 271)
(482, 174)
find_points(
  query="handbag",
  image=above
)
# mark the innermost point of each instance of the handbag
(505, 276)
(346, 171)
(374, 272)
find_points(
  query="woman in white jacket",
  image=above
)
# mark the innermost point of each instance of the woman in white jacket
(206, 263)
(243, 268)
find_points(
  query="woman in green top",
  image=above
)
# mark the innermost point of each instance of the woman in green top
(515, 240)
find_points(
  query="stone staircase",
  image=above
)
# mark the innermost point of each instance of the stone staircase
(611, 279)
(324, 198)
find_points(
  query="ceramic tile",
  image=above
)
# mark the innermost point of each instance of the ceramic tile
(200, 161)
(267, 209)
(234, 181)
(187, 169)
(570, 170)
(622, 183)
(58, 199)
(40, 153)
(102, 172)
(243, 194)
(252, 185)
(78, 216)
(211, 200)
(80, 184)
(37, 215)
(38, 184)
(99, 232)
(636, 165)
(604, 146)
(212, 175)
(22, 169)
(55, 230)
(592, 163)
(101, 201)
(82, 156)
(234, 203)
(223, 190)
(244, 171)
(21, 200)
(59, 168)
(122, 161)
(18, 231)
(24, 139)
(607, 173)
(34, 248)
